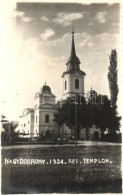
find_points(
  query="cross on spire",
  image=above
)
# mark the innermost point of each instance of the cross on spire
(73, 31)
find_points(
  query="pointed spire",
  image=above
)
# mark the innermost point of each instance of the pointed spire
(73, 61)
(73, 51)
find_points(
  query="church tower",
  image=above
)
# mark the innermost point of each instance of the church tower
(45, 109)
(73, 77)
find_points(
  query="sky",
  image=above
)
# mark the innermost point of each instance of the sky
(35, 45)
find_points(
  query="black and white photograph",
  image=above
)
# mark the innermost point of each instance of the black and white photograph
(61, 97)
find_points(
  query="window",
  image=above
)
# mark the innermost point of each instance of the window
(24, 125)
(65, 85)
(46, 118)
(36, 119)
(76, 84)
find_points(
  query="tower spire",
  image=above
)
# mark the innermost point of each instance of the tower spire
(73, 51)
(73, 77)
(73, 62)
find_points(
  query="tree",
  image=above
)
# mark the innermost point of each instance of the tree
(112, 77)
(102, 114)
(72, 113)
(61, 116)
(9, 133)
(84, 115)
(113, 86)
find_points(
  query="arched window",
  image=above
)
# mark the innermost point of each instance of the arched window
(46, 118)
(36, 119)
(65, 85)
(76, 84)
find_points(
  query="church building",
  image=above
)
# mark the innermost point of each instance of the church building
(38, 121)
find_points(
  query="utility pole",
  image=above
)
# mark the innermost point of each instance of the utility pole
(58, 119)
(77, 116)
(76, 123)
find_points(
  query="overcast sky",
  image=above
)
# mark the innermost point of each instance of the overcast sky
(36, 46)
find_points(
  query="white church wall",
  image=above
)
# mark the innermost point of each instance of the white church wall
(26, 125)
(36, 123)
(41, 126)
(47, 125)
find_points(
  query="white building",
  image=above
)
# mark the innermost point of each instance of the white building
(39, 120)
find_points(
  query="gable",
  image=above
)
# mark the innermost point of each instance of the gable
(27, 111)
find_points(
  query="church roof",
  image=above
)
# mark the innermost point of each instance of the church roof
(91, 93)
(73, 58)
(46, 89)
(73, 61)
(27, 111)
(30, 109)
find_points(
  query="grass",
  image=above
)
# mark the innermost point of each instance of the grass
(67, 178)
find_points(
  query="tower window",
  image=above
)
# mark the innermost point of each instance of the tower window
(46, 118)
(65, 85)
(36, 119)
(76, 84)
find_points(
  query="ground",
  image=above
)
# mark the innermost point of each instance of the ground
(59, 172)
